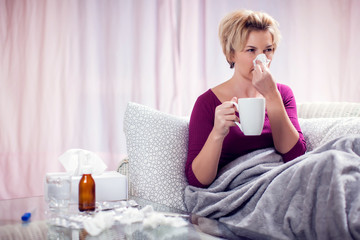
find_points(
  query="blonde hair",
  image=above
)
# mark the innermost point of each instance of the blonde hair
(236, 27)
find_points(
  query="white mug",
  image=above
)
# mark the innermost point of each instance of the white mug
(251, 114)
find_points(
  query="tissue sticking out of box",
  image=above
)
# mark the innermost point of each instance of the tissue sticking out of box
(75, 161)
(262, 58)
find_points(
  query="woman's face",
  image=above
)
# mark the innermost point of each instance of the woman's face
(258, 42)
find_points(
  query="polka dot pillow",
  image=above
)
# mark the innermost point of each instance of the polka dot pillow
(157, 150)
(318, 131)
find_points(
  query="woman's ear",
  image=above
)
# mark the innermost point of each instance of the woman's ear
(232, 56)
(231, 59)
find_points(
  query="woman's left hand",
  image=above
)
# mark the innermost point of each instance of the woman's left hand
(263, 80)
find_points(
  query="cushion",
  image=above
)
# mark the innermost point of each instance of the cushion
(328, 109)
(318, 131)
(157, 150)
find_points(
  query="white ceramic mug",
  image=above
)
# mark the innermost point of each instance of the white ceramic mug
(251, 114)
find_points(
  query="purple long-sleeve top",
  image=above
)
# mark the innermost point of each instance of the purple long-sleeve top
(235, 143)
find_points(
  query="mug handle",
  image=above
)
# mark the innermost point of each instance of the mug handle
(237, 123)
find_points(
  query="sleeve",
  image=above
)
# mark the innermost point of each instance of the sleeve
(200, 126)
(290, 105)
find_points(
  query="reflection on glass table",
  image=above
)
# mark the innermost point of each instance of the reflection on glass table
(46, 224)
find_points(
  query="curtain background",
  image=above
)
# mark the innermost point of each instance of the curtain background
(69, 67)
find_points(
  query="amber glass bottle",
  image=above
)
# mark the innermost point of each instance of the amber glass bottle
(87, 192)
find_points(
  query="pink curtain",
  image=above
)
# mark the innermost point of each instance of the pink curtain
(68, 69)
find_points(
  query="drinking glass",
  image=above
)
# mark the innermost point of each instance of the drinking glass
(58, 190)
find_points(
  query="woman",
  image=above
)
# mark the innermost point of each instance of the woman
(213, 139)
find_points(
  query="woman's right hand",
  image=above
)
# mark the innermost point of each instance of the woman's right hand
(225, 118)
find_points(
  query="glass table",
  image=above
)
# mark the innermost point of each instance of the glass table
(39, 226)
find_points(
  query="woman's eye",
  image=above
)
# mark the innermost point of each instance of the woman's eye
(269, 50)
(250, 50)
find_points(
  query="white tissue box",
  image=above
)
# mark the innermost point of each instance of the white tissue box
(109, 186)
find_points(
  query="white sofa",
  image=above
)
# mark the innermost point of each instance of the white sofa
(157, 145)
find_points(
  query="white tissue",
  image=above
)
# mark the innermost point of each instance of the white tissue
(156, 219)
(130, 216)
(149, 218)
(262, 57)
(76, 160)
(97, 224)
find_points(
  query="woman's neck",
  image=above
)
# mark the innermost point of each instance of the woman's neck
(234, 87)
(243, 88)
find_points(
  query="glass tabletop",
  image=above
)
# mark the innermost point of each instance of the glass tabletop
(40, 225)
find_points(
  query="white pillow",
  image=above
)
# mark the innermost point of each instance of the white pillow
(157, 149)
(318, 131)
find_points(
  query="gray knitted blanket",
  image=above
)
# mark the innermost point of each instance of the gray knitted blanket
(316, 196)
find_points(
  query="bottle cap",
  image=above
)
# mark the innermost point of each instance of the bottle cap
(26, 217)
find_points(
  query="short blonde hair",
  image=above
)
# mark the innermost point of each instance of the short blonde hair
(236, 27)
